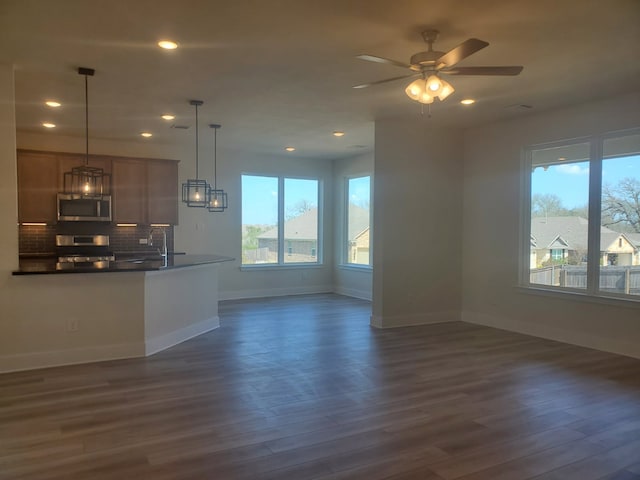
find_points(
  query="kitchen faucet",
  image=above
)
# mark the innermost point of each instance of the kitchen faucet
(163, 252)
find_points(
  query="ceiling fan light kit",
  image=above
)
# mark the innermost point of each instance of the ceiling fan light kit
(430, 64)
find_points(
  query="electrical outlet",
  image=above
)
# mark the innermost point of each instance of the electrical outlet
(72, 325)
(143, 241)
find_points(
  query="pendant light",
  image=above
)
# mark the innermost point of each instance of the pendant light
(217, 197)
(195, 192)
(85, 180)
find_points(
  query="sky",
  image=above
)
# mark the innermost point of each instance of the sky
(570, 181)
(260, 197)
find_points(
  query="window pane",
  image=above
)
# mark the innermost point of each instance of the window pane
(259, 220)
(559, 216)
(300, 220)
(620, 231)
(359, 198)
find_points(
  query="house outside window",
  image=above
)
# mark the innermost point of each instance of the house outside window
(280, 213)
(358, 221)
(583, 216)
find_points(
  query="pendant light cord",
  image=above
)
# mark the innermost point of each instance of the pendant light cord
(196, 141)
(86, 119)
(215, 158)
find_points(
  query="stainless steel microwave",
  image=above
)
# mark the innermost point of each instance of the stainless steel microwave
(79, 208)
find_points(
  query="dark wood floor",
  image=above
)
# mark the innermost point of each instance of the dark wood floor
(301, 387)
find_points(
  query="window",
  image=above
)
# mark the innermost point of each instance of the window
(280, 220)
(358, 214)
(583, 228)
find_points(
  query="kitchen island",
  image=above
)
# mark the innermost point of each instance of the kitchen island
(42, 265)
(131, 308)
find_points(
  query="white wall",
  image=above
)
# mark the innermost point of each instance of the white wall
(227, 239)
(492, 195)
(417, 223)
(348, 280)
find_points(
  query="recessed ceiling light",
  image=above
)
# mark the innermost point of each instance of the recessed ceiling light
(147, 134)
(562, 158)
(290, 149)
(168, 116)
(52, 103)
(468, 101)
(49, 125)
(338, 133)
(167, 44)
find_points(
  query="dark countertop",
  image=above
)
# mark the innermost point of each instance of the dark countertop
(50, 265)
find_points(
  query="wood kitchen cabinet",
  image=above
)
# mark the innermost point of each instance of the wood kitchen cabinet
(129, 189)
(162, 192)
(145, 191)
(37, 186)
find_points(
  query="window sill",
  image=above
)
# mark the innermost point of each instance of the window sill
(280, 266)
(602, 299)
(355, 267)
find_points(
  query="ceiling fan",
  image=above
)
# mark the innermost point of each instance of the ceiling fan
(429, 65)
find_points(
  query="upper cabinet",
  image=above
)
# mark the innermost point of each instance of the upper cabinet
(162, 192)
(144, 191)
(129, 190)
(37, 186)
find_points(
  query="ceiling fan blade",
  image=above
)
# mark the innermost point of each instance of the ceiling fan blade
(510, 70)
(372, 58)
(365, 85)
(462, 51)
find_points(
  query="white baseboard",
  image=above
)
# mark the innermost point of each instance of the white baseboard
(581, 339)
(273, 292)
(413, 320)
(57, 358)
(352, 292)
(157, 344)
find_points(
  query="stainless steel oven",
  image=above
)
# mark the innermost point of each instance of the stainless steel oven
(79, 208)
(83, 250)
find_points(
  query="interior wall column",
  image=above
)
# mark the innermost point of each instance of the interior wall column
(417, 225)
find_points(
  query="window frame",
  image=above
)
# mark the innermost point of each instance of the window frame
(345, 261)
(592, 291)
(282, 249)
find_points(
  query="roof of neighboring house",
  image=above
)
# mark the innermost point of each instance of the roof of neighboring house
(571, 232)
(634, 238)
(358, 221)
(302, 227)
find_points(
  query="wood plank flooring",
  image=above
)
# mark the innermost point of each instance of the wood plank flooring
(302, 388)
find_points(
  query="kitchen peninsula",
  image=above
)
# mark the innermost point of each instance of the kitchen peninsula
(132, 308)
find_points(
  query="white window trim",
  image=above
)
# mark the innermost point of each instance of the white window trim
(592, 293)
(344, 254)
(281, 264)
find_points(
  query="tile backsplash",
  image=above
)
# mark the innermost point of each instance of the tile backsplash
(41, 239)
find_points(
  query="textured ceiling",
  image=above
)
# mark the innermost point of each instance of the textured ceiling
(279, 72)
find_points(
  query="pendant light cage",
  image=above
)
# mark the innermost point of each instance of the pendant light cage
(87, 181)
(218, 201)
(84, 180)
(196, 192)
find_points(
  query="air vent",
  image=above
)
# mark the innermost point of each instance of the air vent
(520, 107)
(180, 127)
